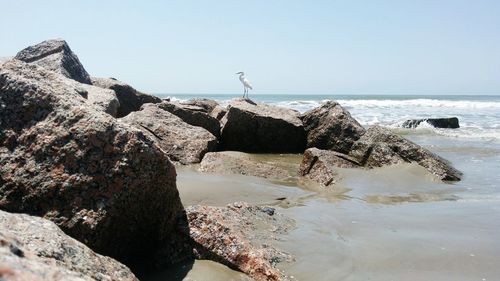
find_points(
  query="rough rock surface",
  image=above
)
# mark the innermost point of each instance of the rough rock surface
(379, 147)
(331, 127)
(193, 115)
(320, 165)
(239, 236)
(252, 127)
(102, 181)
(33, 248)
(232, 162)
(55, 55)
(182, 142)
(130, 99)
(208, 105)
(218, 113)
(447, 123)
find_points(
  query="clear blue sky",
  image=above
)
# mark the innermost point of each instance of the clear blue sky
(285, 46)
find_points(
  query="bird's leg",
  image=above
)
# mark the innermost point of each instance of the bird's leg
(244, 90)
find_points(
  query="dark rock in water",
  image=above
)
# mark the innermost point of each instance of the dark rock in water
(320, 165)
(182, 142)
(251, 127)
(100, 180)
(379, 147)
(239, 236)
(130, 99)
(55, 55)
(447, 123)
(193, 115)
(331, 127)
(33, 248)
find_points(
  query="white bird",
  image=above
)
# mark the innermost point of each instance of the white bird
(245, 82)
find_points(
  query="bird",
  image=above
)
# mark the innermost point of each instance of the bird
(245, 82)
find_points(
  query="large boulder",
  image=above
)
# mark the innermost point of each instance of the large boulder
(100, 180)
(321, 165)
(331, 127)
(130, 99)
(33, 248)
(252, 127)
(380, 147)
(447, 123)
(182, 142)
(207, 105)
(194, 115)
(55, 55)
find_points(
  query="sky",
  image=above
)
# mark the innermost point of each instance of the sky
(283, 46)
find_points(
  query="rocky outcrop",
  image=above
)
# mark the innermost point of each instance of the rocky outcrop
(252, 127)
(207, 105)
(331, 127)
(239, 236)
(321, 165)
(130, 99)
(193, 115)
(182, 142)
(100, 180)
(239, 163)
(380, 147)
(447, 123)
(33, 248)
(55, 55)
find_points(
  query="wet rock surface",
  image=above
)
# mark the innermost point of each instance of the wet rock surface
(194, 114)
(55, 55)
(446, 123)
(129, 98)
(180, 141)
(33, 248)
(252, 127)
(331, 127)
(100, 180)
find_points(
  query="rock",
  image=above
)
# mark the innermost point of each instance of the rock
(55, 55)
(232, 162)
(130, 99)
(208, 105)
(379, 147)
(218, 112)
(331, 127)
(102, 181)
(251, 127)
(320, 165)
(451, 123)
(193, 115)
(182, 142)
(4, 59)
(33, 248)
(239, 236)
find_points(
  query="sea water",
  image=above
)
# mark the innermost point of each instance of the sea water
(392, 223)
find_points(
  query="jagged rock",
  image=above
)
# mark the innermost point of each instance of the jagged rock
(100, 180)
(239, 236)
(193, 115)
(218, 112)
(252, 127)
(130, 99)
(33, 248)
(232, 162)
(182, 142)
(208, 105)
(4, 59)
(449, 123)
(55, 55)
(331, 127)
(379, 147)
(320, 165)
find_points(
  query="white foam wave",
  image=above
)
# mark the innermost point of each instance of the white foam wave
(434, 103)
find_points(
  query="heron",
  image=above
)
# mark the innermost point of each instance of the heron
(245, 82)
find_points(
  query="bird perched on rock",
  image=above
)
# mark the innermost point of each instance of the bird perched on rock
(245, 82)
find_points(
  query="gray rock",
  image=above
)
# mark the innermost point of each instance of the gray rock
(33, 248)
(55, 55)
(331, 127)
(102, 181)
(130, 99)
(218, 113)
(321, 165)
(182, 142)
(380, 147)
(194, 115)
(252, 127)
(447, 123)
(208, 105)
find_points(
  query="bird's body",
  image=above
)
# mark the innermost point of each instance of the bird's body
(246, 83)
